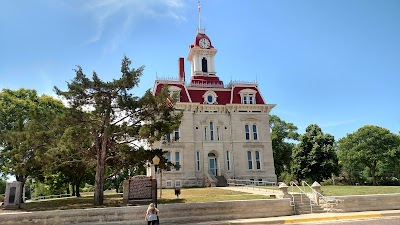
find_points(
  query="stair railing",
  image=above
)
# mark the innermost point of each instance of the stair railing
(320, 195)
(302, 192)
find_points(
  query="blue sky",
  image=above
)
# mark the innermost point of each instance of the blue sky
(335, 63)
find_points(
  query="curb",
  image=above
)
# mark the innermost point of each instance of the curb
(330, 218)
(310, 218)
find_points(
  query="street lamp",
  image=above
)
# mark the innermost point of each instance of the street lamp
(156, 161)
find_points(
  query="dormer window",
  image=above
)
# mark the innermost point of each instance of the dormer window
(174, 93)
(248, 96)
(210, 98)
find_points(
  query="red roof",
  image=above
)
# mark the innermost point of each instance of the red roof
(223, 94)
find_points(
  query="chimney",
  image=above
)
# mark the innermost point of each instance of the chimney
(181, 69)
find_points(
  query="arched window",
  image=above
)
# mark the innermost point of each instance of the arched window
(250, 160)
(255, 136)
(258, 163)
(211, 130)
(204, 65)
(177, 161)
(247, 131)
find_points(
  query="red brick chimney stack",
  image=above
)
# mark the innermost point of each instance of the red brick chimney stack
(181, 69)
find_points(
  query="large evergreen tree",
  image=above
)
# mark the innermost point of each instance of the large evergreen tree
(118, 119)
(314, 157)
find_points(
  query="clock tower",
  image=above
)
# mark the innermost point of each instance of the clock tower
(224, 131)
(201, 55)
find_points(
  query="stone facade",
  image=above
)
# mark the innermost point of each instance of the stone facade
(224, 131)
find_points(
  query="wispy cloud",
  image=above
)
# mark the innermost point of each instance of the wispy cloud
(130, 11)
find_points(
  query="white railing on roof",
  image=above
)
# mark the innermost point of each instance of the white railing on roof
(206, 84)
(168, 78)
(240, 82)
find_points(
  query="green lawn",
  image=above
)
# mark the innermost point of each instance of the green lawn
(353, 190)
(194, 195)
(115, 200)
(359, 190)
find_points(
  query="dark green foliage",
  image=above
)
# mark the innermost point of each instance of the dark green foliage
(371, 154)
(117, 120)
(283, 136)
(25, 131)
(2, 186)
(314, 158)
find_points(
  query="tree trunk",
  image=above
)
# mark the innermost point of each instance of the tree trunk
(21, 179)
(78, 194)
(73, 189)
(100, 168)
(373, 169)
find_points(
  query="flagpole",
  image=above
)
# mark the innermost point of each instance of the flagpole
(199, 7)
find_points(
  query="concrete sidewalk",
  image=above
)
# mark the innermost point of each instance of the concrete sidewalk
(318, 217)
(253, 190)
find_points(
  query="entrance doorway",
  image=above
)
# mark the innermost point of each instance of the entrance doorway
(212, 164)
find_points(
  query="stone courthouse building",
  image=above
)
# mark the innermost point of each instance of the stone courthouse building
(224, 131)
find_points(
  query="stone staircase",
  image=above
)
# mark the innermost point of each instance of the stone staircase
(222, 182)
(303, 205)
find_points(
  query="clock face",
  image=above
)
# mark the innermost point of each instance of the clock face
(204, 43)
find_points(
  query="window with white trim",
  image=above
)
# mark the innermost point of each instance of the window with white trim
(198, 160)
(168, 184)
(177, 161)
(211, 131)
(249, 160)
(255, 135)
(174, 93)
(178, 183)
(248, 96)
(247, 131)
(228, 161)
(176, 134)
(258, 162)
(253, 160)
(168, 158)
(210, 97)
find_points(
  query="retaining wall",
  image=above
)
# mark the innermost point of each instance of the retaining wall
(169, 213)
(359, 203)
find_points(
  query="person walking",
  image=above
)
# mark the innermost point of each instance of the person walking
(152, 215)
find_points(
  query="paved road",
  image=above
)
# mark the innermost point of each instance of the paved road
(380, 221)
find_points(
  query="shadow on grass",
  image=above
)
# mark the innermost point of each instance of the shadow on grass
(170, 201)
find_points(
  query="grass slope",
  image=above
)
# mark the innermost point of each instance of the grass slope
(194, 195)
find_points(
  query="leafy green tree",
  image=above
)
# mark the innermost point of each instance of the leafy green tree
(73, 156)
(314, 157)
(25, 131)
(118, 120)
(2, 186)
(283, 137)
(373, 148)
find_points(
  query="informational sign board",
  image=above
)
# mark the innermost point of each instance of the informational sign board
(140, 187)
